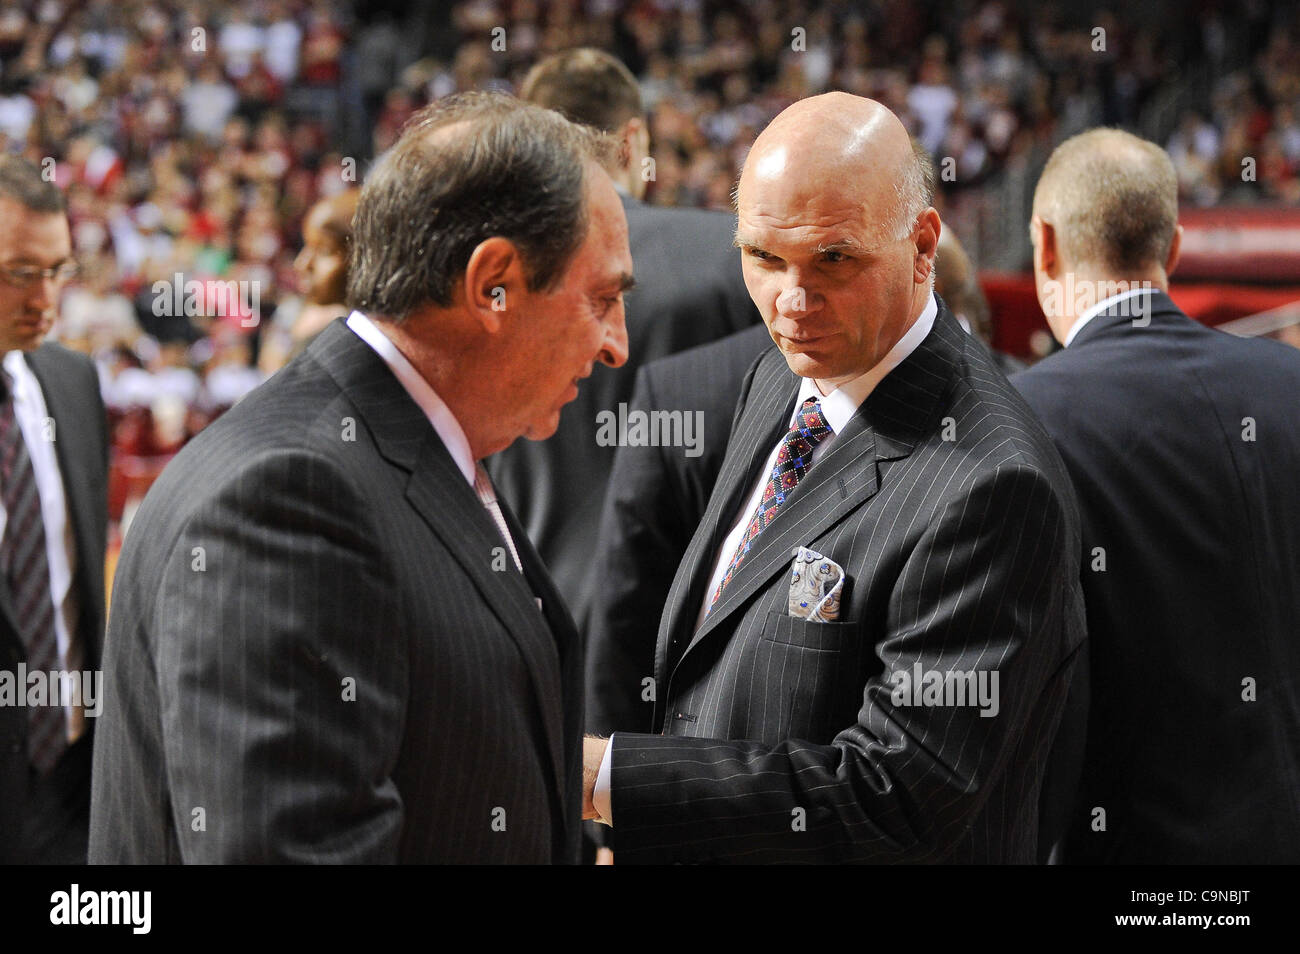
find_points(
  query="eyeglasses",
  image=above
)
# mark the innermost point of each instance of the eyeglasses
(23, 276)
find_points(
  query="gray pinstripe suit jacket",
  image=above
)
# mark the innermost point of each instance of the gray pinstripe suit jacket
(275, 560)
(783, 741)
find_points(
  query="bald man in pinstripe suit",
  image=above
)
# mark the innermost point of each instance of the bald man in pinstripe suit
(915, 725)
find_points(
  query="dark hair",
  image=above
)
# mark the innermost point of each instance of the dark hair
(22, 181)
(514, 170)
(585, 85)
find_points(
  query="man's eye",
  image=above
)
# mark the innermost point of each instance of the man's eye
(834, 258)
(759, 254)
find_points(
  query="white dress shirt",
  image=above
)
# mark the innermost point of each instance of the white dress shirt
(1098, 308)
(60, 543)
(421, 392)
(838, 407)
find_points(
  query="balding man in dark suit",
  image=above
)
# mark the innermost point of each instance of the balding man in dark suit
(1184, 445)
(867, 649)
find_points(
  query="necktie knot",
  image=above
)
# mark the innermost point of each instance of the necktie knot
(811, 424)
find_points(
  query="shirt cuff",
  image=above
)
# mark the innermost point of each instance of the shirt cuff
(600, 795)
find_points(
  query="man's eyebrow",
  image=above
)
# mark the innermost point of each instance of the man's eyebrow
(843, 245)
(626, 282)
(23, 260)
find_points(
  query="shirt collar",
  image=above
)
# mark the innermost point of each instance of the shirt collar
(842, 403)
(1098, 308)
(19, 373)
(439, 415)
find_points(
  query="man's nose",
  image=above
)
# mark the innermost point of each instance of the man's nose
(794, 299)
(44, 292)
(613, 351)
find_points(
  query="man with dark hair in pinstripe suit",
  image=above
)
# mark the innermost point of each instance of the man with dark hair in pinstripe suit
(915, 724)
(329, 642)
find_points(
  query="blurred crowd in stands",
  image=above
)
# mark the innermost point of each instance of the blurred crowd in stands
(193, 137)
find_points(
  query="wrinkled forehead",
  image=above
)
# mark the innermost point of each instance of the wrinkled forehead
(786, 188)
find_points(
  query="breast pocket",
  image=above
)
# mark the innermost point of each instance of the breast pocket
(823, 637)
(812, 677)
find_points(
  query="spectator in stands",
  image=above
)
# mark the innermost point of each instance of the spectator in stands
(322, 272)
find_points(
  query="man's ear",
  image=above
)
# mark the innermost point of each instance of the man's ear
(1175, 252)
(494, 282)
(928, 229)
(1046, 254)
(628, 145)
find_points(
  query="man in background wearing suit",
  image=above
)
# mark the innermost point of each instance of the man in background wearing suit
(879, 435)
(1184, 446)
(689, 291)
(54, 510)
(329, 641)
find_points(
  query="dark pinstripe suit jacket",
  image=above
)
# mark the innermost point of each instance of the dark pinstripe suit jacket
(312, 658)
(950, 511)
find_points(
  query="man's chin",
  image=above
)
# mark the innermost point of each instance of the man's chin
(25, 339)
(542, 428)
(809, 366)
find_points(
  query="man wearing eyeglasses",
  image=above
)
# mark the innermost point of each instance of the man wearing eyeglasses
(53, 518)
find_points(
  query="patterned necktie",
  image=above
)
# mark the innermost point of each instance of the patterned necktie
(792, 462)
(27, 570)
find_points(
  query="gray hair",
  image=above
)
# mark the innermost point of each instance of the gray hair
(914, 191)
(515, 170)
(1112, 199)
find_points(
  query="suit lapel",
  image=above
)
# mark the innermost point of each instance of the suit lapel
(72, 437)
(887, 426)
(762, 422)
(437, 490)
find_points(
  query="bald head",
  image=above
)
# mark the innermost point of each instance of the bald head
(836, 233)
(854, 142)
(1112, 200)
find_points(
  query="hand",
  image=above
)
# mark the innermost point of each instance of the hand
(593, 752)
(604, 856)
